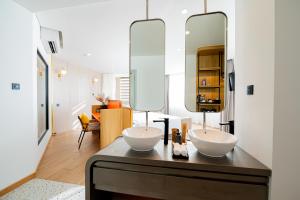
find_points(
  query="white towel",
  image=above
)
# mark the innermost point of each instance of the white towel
(177, 149)
(183, 150)
(180, 149)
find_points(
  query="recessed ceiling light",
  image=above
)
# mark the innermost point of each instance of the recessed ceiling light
(187, 32)
(184, 11)
(87, 54)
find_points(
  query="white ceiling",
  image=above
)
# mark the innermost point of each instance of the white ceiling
(41, 5)
(101, 27)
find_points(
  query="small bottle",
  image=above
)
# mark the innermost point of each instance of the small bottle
(178, 138)
(184, 132)
(174, 132)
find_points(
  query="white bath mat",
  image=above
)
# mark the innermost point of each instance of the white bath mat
(40, 189)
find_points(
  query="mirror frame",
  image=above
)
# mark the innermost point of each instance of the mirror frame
(40, 56)
(225, 59)
(145, 20)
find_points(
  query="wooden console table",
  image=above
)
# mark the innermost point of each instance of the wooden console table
(119, 170)
(96, 116)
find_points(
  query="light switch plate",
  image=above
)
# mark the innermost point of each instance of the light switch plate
(15, 86)
(250, 89)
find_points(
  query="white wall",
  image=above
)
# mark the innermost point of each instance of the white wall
(267, 123)
(286, 138)
(75, 93)
(254, 64)
(19, 38)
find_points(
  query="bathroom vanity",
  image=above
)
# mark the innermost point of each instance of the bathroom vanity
(117, 172)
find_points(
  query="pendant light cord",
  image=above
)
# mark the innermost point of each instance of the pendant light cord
(147, 9)
(205, 6)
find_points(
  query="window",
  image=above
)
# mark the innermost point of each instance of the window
(123, 89)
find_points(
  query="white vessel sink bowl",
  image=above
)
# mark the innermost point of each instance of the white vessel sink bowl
(140, 139)
(214, 143)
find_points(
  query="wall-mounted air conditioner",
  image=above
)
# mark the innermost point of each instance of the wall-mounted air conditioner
(52, 40)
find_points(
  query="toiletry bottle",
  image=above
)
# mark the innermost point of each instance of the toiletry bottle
(174, 132)
(184, 132)
(178, 138)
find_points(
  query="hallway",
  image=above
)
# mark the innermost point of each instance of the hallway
(63, 162)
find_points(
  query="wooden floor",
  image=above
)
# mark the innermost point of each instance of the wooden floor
(63, 161)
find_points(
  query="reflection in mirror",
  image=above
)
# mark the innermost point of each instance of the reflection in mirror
(205, 65)
(147, 65)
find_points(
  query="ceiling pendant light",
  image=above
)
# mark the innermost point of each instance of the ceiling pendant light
(184, 11)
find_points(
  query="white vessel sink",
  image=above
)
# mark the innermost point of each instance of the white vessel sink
(140, 139)
(214, 143)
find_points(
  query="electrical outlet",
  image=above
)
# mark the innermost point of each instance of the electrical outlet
(250, 89)
(15, 86)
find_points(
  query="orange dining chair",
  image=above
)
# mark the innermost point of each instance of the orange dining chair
(87, 125)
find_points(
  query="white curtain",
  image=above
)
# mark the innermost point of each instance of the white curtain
(109, 85)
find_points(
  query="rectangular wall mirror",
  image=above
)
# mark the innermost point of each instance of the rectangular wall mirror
(147, 65)
(42, 97)
(205, 65)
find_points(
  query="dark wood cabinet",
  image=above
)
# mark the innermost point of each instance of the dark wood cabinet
(117, 170)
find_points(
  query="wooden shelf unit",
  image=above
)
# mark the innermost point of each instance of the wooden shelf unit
(210, 66)
(210, 86)
(209, 104)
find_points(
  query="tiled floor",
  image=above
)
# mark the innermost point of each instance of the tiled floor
(40, 189)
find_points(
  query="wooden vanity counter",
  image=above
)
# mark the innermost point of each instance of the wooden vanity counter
(119, 170)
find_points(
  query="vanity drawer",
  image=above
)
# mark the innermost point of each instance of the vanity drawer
(174, 187)
(251, 179)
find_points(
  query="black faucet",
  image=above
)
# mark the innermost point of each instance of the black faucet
(231, 126)
(166, 133)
